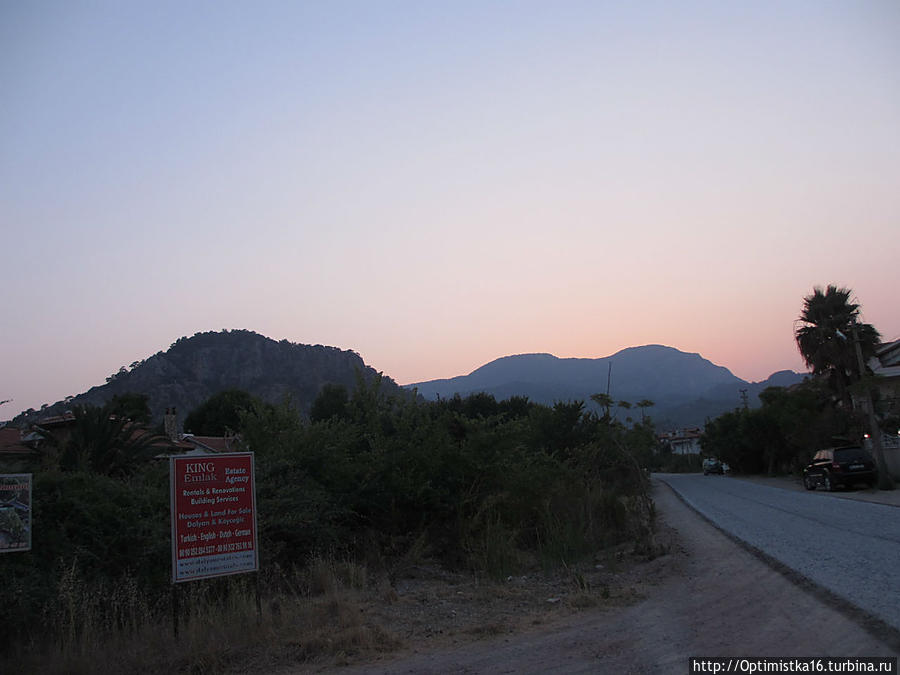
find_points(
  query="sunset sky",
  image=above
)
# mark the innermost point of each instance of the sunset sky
(438, 184)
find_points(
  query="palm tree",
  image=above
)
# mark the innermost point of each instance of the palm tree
(830, 324)
(605, 401)
(644, 403)
(102, 443)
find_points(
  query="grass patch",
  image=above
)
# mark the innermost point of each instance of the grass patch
(315, 616)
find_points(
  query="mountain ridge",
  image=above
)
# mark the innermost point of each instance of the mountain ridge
(194, 368)
(686, 387)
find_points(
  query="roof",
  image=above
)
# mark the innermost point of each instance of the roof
(65, 419)
(888, 353)
(12, 442)
(213, 443)
(199, 445)
(681, 434)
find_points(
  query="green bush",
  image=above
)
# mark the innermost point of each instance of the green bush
(108, 529)
(470, 483)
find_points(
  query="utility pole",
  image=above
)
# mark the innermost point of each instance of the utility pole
(608, 382)
(885, 482)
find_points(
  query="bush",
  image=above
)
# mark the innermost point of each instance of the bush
(387, 482)
(104, 528)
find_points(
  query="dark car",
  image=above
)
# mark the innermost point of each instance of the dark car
(712, 465)
(840, 467)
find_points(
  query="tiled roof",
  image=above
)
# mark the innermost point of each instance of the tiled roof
(888, 353)
(681, 434)
(213, 443)
(11, 442)
(56, 420)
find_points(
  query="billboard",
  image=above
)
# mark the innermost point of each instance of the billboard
(15, 512)
(213, 504)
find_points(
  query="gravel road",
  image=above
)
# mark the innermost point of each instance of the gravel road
(851, 548)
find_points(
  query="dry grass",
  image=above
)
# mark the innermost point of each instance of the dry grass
(326, 614)
(317, 617)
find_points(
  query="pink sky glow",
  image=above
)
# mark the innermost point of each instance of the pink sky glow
(438, 185)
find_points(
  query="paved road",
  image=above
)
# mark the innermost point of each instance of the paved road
(850, 547)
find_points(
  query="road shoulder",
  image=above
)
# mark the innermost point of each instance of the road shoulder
(716, 599)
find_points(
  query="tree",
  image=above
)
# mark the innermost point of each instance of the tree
(835, 344)
(331, 402)
(102, 443)
(221, 413)
(830, 323)
(643, 404)
(130, 406)
(515, 407)
(605, 401)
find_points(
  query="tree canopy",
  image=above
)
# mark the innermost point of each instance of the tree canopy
(131, 406)
(221, 413)
(101, 442)
(829, 326)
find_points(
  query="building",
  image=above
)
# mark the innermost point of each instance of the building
(29, 450)
(682, 441)
(19, 450)
(885, 366)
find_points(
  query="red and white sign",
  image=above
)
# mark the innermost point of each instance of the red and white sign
(213, 516)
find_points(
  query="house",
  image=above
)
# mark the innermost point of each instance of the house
(188, 444)
(175, 443)
(885, 366)
(24, 450)
(19, 450)
(682, 441)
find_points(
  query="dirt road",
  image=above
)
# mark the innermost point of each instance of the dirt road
(707, 597)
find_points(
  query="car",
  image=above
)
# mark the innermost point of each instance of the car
(833, 468)
(712, 465)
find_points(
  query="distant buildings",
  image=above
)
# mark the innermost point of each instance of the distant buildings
(682, 441)
(26, 450)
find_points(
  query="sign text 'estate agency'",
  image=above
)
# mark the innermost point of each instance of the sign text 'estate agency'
(213, 516)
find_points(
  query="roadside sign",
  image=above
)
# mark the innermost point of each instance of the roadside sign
(213, 504)
(15, 512)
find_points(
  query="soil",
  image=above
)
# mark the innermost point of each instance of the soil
(704, 595)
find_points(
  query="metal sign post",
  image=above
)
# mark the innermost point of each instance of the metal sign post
(213, 510)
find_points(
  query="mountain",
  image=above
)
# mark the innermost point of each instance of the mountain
(195, 368)
(686, 388)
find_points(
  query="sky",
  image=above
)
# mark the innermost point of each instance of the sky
(438, 184)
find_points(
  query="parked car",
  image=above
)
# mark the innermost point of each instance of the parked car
(712, 465)
(832, 468)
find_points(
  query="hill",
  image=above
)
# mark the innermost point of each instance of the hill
(195, 368)
(686, 388)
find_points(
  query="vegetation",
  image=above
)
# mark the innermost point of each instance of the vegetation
(130, 406)
(98, 442)
(196, 368)
(222, 413)
(791, 424)
(373, 479)
(829, 328)
(782, 435)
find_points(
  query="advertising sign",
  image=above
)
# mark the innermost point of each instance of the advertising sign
(15, 512)
(213, 516)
